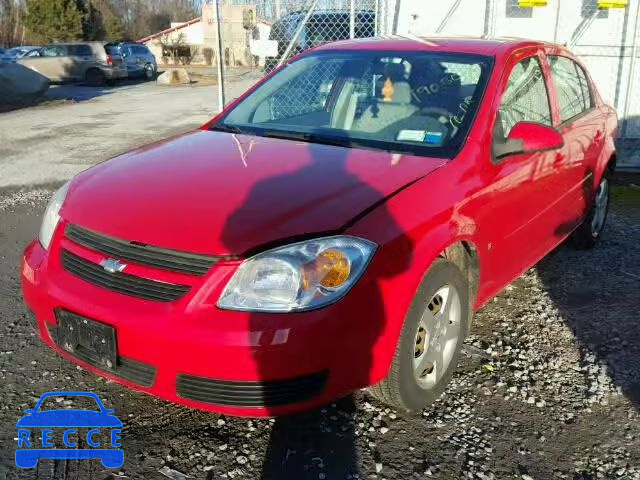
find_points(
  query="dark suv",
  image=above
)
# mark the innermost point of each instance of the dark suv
(322, 27)
(139, 60)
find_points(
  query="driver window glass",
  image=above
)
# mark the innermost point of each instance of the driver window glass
(525, 99)
(52, 52)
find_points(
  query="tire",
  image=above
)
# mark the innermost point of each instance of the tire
(589, 232)
(406, 386)
(149, 72)
(94, 77)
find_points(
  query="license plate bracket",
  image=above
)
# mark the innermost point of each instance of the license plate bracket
(87, 339)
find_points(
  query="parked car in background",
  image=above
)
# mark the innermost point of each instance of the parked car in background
(13, 54)
(334, 228)
(93, 63)
(139, 60)
(323, 26)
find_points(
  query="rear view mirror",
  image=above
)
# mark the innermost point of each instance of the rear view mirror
(528, 137)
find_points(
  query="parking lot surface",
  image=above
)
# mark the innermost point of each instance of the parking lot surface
(81, 126)
(549, 385)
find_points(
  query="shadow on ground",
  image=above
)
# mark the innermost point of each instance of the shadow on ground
(598, 303)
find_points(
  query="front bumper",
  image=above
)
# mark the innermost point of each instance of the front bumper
(192, 353)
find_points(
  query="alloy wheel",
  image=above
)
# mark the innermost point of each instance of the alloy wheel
(437, 337)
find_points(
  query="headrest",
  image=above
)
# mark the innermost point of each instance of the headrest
(394, 71)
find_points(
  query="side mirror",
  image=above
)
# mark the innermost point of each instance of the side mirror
(528, 137)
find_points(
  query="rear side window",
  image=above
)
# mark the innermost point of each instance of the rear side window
(139, 50)
(525, 99)
(572, 88)
(79, 50)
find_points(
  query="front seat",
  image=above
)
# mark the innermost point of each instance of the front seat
(381, 113)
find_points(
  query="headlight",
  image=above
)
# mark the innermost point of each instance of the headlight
(51, 217)
(302, 276)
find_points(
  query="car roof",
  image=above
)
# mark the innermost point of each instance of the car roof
(484, 46)
(76, 43)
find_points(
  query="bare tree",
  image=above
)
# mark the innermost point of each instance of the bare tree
(11, 27)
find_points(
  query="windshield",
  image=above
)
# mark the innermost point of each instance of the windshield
(417, 102)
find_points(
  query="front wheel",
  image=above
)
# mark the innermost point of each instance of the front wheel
(430, 342)
(589, 232)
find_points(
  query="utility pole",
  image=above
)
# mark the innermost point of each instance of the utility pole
(221, 95)
(352, 21)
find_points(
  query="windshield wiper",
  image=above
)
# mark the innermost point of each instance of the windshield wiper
(226, 128)
(307, 137)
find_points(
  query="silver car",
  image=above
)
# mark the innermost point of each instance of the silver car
(93, 63)
(15, 53)
(139, 60)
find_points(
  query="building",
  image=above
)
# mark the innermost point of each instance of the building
(196, 41)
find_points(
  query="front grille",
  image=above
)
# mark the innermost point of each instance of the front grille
(122, 282)
(137, 372)
(165, 259)
(251, 394)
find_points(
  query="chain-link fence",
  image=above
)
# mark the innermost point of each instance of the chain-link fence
(257, 36)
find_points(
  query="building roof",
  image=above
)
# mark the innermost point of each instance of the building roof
(169, 30)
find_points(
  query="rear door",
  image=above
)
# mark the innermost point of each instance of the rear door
(81, 58)
(582, 127)
(129, 57)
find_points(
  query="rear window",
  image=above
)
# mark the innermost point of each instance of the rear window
(112, 49)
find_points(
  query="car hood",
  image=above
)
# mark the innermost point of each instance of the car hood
(69, 418)
(219, 193)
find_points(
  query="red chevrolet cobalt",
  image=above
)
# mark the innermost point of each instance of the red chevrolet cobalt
(334, 228)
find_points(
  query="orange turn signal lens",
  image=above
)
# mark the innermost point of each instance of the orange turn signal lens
(330, 269)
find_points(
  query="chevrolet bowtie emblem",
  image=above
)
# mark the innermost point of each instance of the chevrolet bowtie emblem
(112, 265)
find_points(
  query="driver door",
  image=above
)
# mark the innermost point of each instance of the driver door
(517, 210)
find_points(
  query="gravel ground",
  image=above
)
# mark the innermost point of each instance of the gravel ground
(549, 387)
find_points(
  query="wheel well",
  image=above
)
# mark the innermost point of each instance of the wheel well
(465, 256)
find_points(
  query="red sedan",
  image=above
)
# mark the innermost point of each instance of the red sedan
(334, 228)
